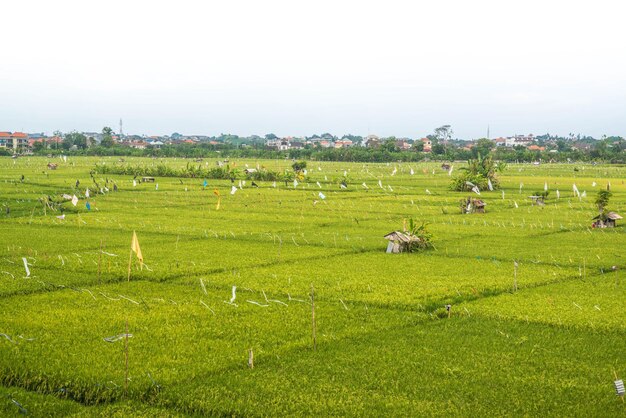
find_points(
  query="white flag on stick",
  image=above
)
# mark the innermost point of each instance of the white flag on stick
(74, 200)
(233, 190)
(26, 266)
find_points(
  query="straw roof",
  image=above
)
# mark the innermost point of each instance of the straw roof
(610, 215)
(401, 237)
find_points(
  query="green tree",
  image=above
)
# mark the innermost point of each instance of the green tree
(602, 200)
(390, 145)
(443, 133)
(39, 146)
(483, 147)
(75, 139)
(438, 149)
(418, 146)
(107, 137)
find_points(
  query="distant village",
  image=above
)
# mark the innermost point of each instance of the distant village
(440, 142)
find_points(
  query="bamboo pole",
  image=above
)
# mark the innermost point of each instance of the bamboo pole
(99, 261)
(313, 317)
(130, 259)
(126, 360)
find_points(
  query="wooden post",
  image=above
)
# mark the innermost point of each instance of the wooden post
(251, 359)
(313, 317)
(126, 358)
(99, 261)
(130, 259)
(515, 276)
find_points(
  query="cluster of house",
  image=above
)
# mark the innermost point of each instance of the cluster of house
(370, 141)
(21, 142)
(288, 143)
(14, 140)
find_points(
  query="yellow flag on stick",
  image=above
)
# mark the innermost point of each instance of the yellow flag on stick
(134, 245)
(219, 198)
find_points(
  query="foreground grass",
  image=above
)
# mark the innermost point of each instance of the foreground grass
(385, 345)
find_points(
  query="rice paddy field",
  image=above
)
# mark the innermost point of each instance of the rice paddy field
(77, 338)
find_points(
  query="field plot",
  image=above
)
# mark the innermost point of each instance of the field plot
(536, 295)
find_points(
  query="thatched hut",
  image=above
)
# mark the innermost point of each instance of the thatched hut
(537, 200)
(479, 206)
(606, 220)
(470, 205)
(399, 241)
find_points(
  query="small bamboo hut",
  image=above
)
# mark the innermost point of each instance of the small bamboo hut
(606, 220)
(399, 241)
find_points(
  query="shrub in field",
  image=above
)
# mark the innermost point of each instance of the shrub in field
(190, 171)
(298, 166)
(479, 172)
(422, 235)
(263, 175)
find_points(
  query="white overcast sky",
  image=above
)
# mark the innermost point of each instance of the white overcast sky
(297, 68)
